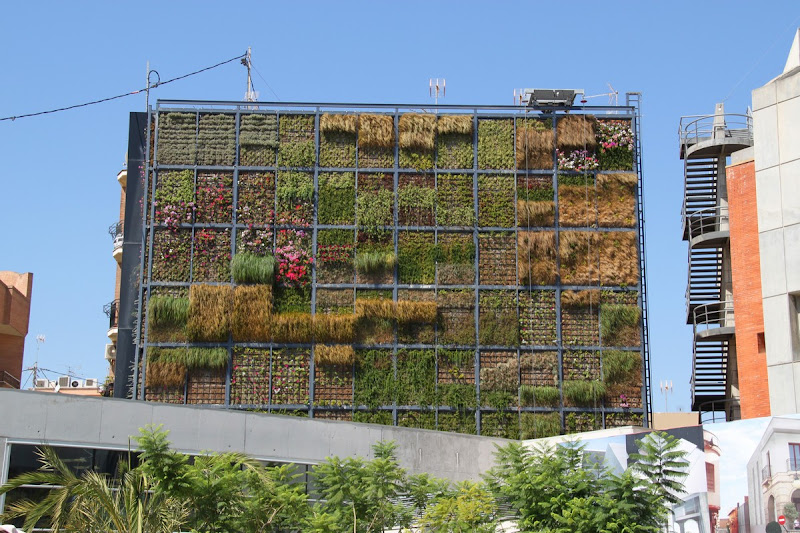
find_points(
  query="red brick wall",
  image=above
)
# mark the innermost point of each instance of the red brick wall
(746, 277)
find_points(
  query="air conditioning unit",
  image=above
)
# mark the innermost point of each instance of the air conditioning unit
(90, 383)
(75, 383)
(111, 352)
(41, 383)
(63, 381)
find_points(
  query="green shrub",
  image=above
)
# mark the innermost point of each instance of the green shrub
(374, 384)
(374, 208)
(454, 200)
(416, 377)
(616, 158)
(618, 365)
(168, 311)
(416, 257)
(498, 399)
(496, 144)
(292, 300)
(540, 425)
(249, 268)
(457, 395)
(337, 197)
(496, 201)
(617, 321)
(540, 395)
(586, 393)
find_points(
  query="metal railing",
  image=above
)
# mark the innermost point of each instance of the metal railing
(713, 315)
(704, 221)
(766, 473)
(697, 128)
(110, 309)
(8, 381)
(116, 232)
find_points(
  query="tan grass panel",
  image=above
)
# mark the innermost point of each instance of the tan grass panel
(580, 298)
(461, 124)
(534, 148)
(539, 369)
(419, 312)
(337, 123)
(376, 131)
(576, 131)
(536, 257)
(532, 214)
(375, 308)
(165, 374)
(619, 261)
(210, 310)
(417, 130)
(292, 327)
(337, 354)
(252, 312)
(616, 200)
(334, 327)
(577, 206)
(580, 257)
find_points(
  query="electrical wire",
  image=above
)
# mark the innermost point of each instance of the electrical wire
(13, 118)
(265, 82)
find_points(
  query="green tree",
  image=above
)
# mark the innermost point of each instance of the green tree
(663, 464)
(471, 508)
(90, 502)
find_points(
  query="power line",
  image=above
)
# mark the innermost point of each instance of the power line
(12, 118)
(265, 82)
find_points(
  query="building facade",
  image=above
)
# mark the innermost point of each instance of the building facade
(15, 311)
(460, 268)
(741, 217)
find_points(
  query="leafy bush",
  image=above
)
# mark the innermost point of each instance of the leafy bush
(496, 201)
(374, 383)
(416, 257)
(375, 209)
(296, 147)
(337, 197)
(454, 200)
(416, 377)
(496, 144)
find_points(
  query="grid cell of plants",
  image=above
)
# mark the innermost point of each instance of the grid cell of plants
(471, 272)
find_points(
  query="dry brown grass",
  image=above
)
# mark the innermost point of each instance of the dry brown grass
(375, 131)
(534, 148)
(616, 200)
(580, 257)
(337, 123)
(417, 130)
(375, 308)
(532, 214)
(165, 374)
(576, 206)
(619, 264)
(461, 124)
(210, 310)
(420, 312)
(337, 354)
(334, 328)
(537, 257)
(576, 132)
(581, 298)
(291, 327)
(252, 311)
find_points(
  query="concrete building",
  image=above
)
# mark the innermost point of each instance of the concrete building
(741, 217)
(111, 309)
(15, 310)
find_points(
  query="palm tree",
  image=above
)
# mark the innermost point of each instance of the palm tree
(88, 503)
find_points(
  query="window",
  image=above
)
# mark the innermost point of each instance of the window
(794, 321)
(710, 477)
(794, 456)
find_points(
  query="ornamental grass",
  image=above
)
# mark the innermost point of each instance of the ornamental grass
(417, 130)
(375, 308)
(547, 395)
(585, 298)
(535, 146)
(292, 327)
(616, 200)
(337, 354)
(619, 261)
(210, 309)
(335, 327)
(537, 257)
(252, 313)
(533, 213)
(167, 311)
(165, 374)
(584, 393)
(577, 201)
(375, 261)
(618, 366)
(458, 124)
(419, 312)
(580, 257)
(539, 425)
(338, 123)
(619, 324)
(375, 131)
(576, 132)
(250, 268)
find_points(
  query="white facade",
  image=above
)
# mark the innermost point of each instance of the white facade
(776, 130)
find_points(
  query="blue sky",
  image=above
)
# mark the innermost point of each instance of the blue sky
(59, 192)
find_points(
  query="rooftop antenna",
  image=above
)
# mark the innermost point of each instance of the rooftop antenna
(434, 88)
(39, 341)
(666, 390)
(613, 96)
(519, 96)
(250, 94)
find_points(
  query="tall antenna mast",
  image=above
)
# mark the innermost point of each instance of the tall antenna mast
(435, 88)
(250, 94)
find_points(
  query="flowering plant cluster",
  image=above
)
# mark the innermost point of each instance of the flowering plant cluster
(614, 134)
(578, 160)
(254, 241)
(292, 253)
(334, 253)
(250, 377)
(290, 373)
(174, 199)
(212, 255)
(214, 198)
(256, 199)
(171, 249)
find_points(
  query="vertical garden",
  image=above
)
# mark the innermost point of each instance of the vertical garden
(460, 271)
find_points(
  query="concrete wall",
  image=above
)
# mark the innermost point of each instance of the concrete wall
(746, 277)
(775, 441)
(776, 128)
(55, 418)
(15, 308)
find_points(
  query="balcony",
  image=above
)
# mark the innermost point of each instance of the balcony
(111, 311)
(116, 232)
(708, 227)
(8, 381)
(122, 177)
(708, 135)
(713, 321)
